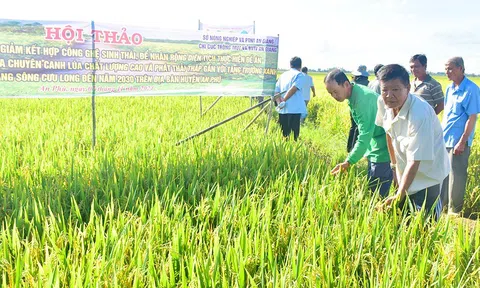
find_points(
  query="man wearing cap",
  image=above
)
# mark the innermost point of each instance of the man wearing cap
(462, 104)
(375, 84)
(306, 91)
(371, 141)
(424, 85)
(292, 106)
(359, 76)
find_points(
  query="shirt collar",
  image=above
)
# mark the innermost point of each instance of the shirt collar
(460, 87)
(427, 79)
(402, 114)
(353, 95)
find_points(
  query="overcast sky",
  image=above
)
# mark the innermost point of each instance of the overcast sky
(336, 33)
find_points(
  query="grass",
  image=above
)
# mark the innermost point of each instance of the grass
(228, 209)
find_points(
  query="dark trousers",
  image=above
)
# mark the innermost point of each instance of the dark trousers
(289, 123)
(430, 197)
(352, 135)
(380, 176)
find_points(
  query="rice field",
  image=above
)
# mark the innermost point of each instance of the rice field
(230, 208)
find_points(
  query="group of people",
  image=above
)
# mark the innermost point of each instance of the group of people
(395, 125)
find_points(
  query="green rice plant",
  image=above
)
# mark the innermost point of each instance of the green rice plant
(227, 209)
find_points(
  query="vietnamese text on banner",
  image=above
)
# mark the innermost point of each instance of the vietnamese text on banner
(62, 59)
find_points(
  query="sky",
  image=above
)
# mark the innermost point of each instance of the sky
(325, 34)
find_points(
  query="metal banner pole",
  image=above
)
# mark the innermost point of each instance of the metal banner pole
(230, 118)
(256, 117)
(213, 104)
(94, 121)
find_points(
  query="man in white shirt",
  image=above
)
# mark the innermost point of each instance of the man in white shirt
(415, 142)
(306, 91)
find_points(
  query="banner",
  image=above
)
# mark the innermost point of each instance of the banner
(246, 29)
(75, 59)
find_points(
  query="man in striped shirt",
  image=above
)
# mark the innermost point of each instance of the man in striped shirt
(424, 85)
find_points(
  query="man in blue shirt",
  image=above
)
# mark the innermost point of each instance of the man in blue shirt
(292, 106)
(462, 104)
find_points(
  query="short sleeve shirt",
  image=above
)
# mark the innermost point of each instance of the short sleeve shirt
(294, 104)
(460, 103)
(429, 89)
(416, 136)
(308, 85)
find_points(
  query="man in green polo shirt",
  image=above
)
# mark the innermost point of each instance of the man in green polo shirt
(371, 141)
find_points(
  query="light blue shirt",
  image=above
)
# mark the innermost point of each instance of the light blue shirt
(460, 103)
(294, 104)
(308, 86)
